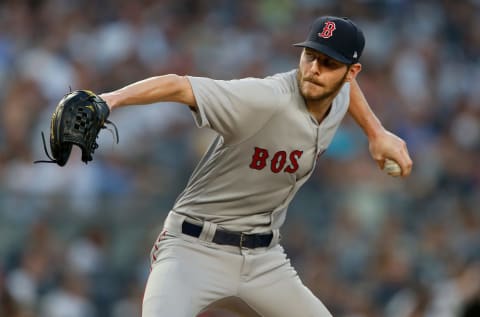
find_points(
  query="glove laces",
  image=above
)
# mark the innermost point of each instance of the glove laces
(46, 152)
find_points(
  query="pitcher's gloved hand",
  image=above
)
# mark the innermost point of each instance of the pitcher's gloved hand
(77, 119)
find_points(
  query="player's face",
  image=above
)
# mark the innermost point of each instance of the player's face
(320, 76)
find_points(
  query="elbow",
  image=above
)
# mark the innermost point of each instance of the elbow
(169, 84)
(182, 91)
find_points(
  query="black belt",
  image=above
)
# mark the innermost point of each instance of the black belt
(238, 239)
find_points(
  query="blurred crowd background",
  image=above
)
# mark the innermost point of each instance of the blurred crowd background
(74, 241)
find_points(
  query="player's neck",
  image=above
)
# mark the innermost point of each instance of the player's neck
(319, 109)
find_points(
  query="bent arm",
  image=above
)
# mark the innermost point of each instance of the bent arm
(170, 87)
(362, 113)
(382, 143)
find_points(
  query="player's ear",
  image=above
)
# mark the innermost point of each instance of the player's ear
(353, 71)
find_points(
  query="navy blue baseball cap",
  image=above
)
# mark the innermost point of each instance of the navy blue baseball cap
(338, 38)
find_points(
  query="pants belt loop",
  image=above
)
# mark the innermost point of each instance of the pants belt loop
(275, 238)
(208, 231)
(173, 222)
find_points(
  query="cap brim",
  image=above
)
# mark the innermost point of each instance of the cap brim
(325, 50)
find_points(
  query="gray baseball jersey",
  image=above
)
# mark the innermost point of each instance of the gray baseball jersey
(266, 149)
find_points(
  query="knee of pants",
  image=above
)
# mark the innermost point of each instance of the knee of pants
(285, 298)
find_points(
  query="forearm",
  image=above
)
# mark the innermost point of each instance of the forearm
(361, 112)
(382, 143)
(171, 87)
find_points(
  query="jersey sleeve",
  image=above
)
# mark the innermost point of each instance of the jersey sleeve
(236, 109)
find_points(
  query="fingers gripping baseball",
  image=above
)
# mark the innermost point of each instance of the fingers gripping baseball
(389, 146)
(392, 168)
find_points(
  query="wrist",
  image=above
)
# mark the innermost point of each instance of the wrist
(373, 131)
(110, 99)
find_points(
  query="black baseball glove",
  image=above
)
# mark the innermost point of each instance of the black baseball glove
(78, 118)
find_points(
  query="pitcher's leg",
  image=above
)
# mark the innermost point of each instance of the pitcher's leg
(167, 293)
(275, 289)
(186, 277)
(286, 298)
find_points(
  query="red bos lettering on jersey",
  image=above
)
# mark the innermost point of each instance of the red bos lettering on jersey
(280, 161)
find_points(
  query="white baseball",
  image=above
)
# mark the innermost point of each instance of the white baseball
(392, 168)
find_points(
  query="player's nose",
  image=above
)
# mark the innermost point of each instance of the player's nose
(315, 67)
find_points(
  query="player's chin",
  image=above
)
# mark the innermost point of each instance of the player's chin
(312, 94)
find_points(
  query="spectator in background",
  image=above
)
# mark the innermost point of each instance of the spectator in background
(8, 306)
(131, 303)
(69, 300)
(25, 282)
(472, 307)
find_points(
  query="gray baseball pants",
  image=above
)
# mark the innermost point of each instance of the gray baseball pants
(188, 274)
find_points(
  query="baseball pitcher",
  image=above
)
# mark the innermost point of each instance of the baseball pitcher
(221, 238)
